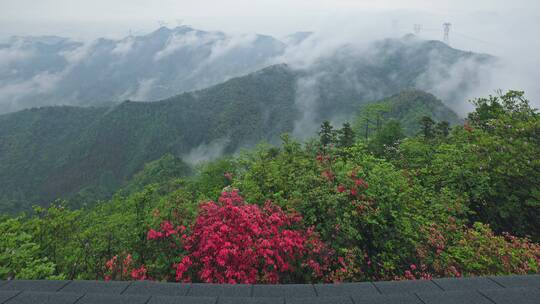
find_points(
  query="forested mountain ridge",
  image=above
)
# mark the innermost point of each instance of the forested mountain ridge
(407, 107)
(88, 153)
(58, 71)
(153, 66)
(54, 152)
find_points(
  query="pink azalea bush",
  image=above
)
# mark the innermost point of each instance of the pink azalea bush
(235, 242)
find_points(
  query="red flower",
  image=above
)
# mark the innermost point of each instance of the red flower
(260, 246)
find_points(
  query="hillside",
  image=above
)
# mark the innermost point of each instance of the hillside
(406, 107)
(54, 152)
(43, 71)
(88, 153)
(153, 66)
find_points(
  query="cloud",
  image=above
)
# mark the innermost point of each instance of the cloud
(21, 93)
(142, 90)
(178, 41)
(12, 93)
(14, 53)
(223, 46)
(306, 101)
(123, 47)
(206, 152)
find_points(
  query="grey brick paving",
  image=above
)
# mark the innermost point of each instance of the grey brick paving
(181, 300)
(406, 286)
(452, 297)
(34, 285)
(99, 287)
(466, 283)
(406, 298)
(29, 297)
(350, 289)
(474, 290)
(95, 298)
(518, 281)
(513, 295)
(249, 300)
(7, 294)
(224, 290)
(287, 291)
(319, 300)
(157, 289)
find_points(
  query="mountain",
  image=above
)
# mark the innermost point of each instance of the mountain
(50, 70)
(87, 153)
(38, 71)
(63, 151)
(332, 85)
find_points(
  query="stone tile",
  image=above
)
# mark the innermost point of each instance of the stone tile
(346, 289)
(222, 290)
(395, 287)
(248, 300)
(518, 280)
(452, 297)
(100, 287)
(7, 294)
(466, 283)
(286, 291)
(182, 300)
(29, 297)
(319, 300)
(513, 295)
(96, 298)
(157, 289)
(32, 285)
(406, 298)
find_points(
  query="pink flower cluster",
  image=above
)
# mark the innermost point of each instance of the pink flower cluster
(235, 242)
(124, 269)
(166, 230)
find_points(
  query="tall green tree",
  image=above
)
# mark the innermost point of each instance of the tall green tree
(346, 136)
(386, 139)
(442, 128)
(427, 126)
(327, 134)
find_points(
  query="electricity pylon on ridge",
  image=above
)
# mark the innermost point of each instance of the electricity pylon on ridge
(446, 28)
(417, 28)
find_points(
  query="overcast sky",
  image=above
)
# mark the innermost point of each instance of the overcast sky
(114, 18)
(509, 29)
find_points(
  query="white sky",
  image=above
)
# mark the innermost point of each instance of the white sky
(114, 18)
(509, 29)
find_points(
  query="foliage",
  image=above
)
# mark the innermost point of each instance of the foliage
(20, 257)
(463, 202)
(492, 160)
(234, 242)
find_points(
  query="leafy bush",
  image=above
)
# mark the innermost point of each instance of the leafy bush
(20, 258)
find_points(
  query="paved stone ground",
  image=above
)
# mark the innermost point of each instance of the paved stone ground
(488, 290)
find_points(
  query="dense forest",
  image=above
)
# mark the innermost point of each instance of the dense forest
(87, 154)
(389, 195)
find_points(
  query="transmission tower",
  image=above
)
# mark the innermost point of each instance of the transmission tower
(446, 28)
(417, 28)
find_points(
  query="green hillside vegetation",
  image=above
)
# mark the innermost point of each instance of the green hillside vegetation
(407, 107)
(87, 154)
(433, 204)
